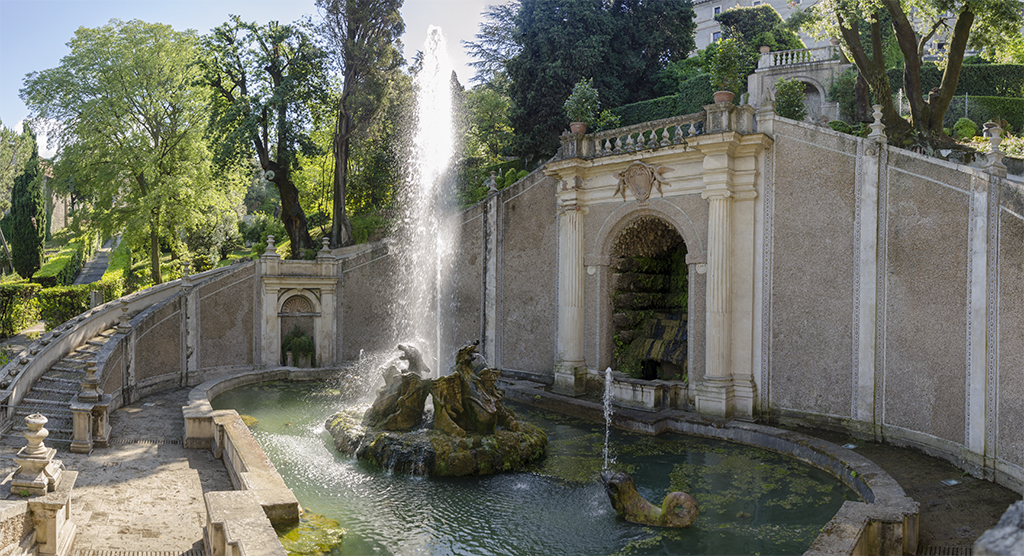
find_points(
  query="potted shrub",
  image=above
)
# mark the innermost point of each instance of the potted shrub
(582, 106)
(724, 67)
(298, 348)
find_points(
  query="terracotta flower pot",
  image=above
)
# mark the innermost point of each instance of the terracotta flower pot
(723, 96)
(578, 127)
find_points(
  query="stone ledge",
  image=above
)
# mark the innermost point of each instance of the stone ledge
(236, 525)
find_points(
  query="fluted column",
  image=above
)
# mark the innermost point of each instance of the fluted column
(719, 284)
(570, 370)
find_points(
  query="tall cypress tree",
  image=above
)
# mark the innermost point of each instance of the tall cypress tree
(28, 213)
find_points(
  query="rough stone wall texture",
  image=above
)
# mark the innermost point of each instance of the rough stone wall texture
(1010, 438)
(465, 287)
(113, 370)
(158, 342)
(813, 271)
(369, 282)
(528, 276)
(15, 528)
(926, 295)
(226, 308)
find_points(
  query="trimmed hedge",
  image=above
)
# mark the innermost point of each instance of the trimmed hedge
(62, 268)
(694, 94)
(59, 304)
(983, 109)
(989, 80)
(18, 308)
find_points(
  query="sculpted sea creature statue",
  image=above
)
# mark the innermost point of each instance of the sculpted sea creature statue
(678, 510)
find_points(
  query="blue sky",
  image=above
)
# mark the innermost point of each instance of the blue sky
(34, 33)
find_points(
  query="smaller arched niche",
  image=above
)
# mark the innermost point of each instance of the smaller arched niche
(650, 294)
(299, 311)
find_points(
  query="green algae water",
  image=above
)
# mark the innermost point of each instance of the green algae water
(751, 501)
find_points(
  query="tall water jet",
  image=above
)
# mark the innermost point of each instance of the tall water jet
(429, 230)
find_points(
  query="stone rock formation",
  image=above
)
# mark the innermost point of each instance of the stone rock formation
(678, 510)
(471, 432)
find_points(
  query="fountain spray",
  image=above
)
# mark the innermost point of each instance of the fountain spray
(607, 414)
(430, 231)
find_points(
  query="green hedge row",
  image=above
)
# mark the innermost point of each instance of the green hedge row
(989, 80)
(59, 304)
(18, 308)
(693, 95)
(983, 109)
(62, 268)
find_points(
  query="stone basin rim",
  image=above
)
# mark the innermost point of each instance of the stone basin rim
(886, 504)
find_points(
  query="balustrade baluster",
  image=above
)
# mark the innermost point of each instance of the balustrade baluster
(679, 135)
(618, 145)
(665, 141)
(629, 143)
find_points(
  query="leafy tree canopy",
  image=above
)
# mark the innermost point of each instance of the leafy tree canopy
(363, 36)
(130, 126)
(915, 24)
(621, 44)
(15, 150)
(265, 81)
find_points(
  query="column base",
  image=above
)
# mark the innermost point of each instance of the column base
(726, 398)
(570, 379)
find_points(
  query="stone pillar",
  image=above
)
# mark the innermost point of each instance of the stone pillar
(270, 329)
(489, 322)
(715, 392)
(51, 519)
(570, 369)
(90, 411)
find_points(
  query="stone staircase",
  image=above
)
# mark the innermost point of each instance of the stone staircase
(51, 395)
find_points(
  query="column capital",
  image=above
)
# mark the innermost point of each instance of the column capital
(716, 193)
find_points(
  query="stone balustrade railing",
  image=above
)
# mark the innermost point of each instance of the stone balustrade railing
(800, 56)
(648, 135)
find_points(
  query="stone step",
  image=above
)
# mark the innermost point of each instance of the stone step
(59, 380)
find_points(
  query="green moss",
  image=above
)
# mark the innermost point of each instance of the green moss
(314, 535)
(249, 420)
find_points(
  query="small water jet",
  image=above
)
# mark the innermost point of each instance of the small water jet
(469, 433)
(607, 413)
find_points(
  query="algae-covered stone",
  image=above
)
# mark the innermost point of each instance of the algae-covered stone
(313, 535)
(249, 420)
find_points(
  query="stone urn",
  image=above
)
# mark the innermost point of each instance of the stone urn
(723, 96)
(578, 127)
(766, 49)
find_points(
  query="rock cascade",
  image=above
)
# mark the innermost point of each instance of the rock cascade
(470, 432)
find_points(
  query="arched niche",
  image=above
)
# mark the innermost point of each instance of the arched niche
(298, 309)
(623, 233)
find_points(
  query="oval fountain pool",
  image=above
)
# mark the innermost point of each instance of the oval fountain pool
(751, 501)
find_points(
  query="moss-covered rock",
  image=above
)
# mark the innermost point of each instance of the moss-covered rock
(432, 452)
(313, 535)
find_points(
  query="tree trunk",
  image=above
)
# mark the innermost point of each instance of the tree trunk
(341, 228)
(873, 72)
(292, 215)
(951, 76)
(862, 100)
(154, 246)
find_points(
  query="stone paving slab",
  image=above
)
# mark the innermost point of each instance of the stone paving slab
(144, 493)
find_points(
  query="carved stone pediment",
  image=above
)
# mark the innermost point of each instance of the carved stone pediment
(640, 179)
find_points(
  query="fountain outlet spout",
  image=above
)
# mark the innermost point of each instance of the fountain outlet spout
(678, 510)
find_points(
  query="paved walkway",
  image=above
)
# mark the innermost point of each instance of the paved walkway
(952, 516)
(94, 268)
(145, 492)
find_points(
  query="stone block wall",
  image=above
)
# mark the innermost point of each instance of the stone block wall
(891, 288)
(527, 275)
(227, 312)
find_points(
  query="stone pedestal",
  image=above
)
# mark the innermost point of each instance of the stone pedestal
(51, 517)
(90, 411)
(37, 473)
(570, 380)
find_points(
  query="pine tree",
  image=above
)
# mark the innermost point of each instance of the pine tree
(28, 213)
